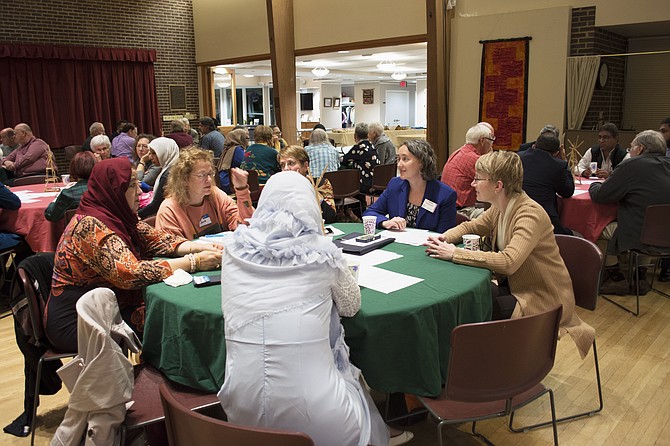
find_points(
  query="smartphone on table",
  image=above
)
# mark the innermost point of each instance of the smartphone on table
(200, 281)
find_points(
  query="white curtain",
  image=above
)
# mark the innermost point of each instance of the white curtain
(582, 75)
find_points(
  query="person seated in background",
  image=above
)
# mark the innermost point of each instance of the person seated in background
(260, 156)
(639, 182)
(233, 155)
(607, 153)
(101, 147)
(295, 158)
(322, 155)
(362, 156)
(105, 245)
(29, 159)
(291, 329)
(147, 172)
(530, 272)
(97, 128)
(211, 138)
(177, 133)
(9, 143)
(459, 170)
(10, 201)
(190, 130)
(164, 154)
(386, 152)
(415, 198)
(117, 128)
(194, 206)
(546, 130)
(122, 144)
(277, 141)
(69, 197)
(546, 174)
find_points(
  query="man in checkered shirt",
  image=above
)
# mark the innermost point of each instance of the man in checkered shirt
(459, 171)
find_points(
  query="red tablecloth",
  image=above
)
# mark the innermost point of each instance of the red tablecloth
(41, 234)
(583, 215)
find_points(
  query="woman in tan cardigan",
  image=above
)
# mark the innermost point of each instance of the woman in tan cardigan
(524, 256)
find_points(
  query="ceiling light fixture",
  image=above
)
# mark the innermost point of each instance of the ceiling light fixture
(320, 71)
(386, 65)
(248, 75)
(399, 75)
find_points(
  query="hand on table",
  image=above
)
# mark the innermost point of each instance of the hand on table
(9, 165)
(395, 224)
(214, 247)
(209, 260)
(586, 173)
(602, 173)
(438, 248)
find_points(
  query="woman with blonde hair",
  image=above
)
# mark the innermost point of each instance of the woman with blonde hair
(530, 272)
(195, 206)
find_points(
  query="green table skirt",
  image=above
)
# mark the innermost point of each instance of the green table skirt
(399, 340)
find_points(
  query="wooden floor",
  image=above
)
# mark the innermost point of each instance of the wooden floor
(634, 361)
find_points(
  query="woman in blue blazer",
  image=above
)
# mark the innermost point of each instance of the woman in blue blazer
(416, 199)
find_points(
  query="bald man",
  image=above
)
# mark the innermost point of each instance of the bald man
(29, 159)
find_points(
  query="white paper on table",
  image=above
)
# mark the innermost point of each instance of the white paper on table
(384, 281)
(579, 192)
(214, 238)
(372, 258)
(27, 196)
(334, 230)
(410, 236)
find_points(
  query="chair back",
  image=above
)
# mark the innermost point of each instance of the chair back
(30, 179)
(501, 359)
(382, 174)
(584, 262)
(70, 152)
(67, 216)
(254, 185)
(655, 226)
(150, 220)
(460, 218)
(346, 183)
(36, 296)
(185, 427)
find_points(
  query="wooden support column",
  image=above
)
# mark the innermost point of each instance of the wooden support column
(282, 56)
(437, 107)
(206, 91)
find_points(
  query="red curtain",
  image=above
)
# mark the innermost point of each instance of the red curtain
(60, 90)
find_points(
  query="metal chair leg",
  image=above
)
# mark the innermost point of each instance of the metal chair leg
(637, 287)
(36, 401)
(569, 417)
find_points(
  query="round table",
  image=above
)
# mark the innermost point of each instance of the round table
(399, 340)
(581, 214)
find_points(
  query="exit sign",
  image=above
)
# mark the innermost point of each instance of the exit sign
(403, 83)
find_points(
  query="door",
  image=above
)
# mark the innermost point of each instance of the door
(397, 108)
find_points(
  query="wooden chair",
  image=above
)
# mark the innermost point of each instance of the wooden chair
(186, 428)
(147, 408)
(150, 220)
(381, 176)
(654, 235)
(67, 216)
(36, 301)
(346, 185)
(460, 218)
(490, 372)
(30, 179)
(254, 186)
(583, 260)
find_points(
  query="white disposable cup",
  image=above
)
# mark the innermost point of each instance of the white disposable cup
(471, 242)
(369, 224)
(354, 268)
(593, 166)
(65, 178)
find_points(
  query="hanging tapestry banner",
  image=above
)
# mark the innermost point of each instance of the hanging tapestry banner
(503, 97)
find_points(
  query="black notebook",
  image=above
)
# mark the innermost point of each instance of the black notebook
(361, 249)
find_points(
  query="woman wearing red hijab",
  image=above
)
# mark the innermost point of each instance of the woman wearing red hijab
(105, 245)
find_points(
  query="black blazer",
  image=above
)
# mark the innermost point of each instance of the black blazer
(543, 177)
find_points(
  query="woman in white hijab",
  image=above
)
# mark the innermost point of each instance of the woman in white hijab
(164, 153)
(287, 366)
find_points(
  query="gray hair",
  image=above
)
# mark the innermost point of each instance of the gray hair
(376, 127)
(101, 140)
(96, 127)
(651, 140)
(318, 137)
(185, 121)
(477, 132)
(361, 131)
(177, 126)
(551, 129)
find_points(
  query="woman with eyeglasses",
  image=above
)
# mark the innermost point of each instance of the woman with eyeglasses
(195, 206)
(531, 276)
(416, 198)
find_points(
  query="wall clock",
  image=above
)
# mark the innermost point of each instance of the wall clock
(603, 75)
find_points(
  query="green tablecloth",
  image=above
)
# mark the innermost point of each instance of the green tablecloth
(399, 340)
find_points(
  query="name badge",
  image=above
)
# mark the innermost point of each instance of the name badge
(429, 205)
(205, 220)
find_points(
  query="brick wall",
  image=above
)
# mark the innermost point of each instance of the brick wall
(587, 39)
(163, 25)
